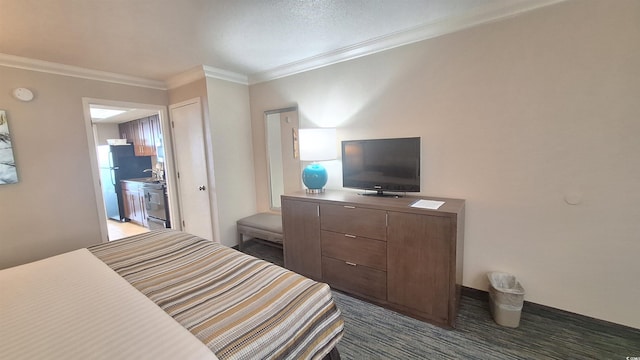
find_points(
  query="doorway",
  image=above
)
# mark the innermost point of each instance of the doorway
(108, 127)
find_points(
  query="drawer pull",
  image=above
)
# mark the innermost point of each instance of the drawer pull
(350, 263)
(348, 207)
(350, 236)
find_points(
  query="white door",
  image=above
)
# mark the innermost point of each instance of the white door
(191, 168)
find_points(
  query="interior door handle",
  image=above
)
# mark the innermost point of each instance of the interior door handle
(202, 188)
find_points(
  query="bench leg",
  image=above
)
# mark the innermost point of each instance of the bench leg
(240, 241)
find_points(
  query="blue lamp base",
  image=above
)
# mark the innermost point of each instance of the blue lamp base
(315, 177)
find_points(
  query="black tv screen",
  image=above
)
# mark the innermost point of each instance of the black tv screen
(382, 164)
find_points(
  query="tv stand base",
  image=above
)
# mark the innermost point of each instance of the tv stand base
(380, 193)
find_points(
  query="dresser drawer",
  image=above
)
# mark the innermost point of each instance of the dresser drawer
(354, 249)
(352, 220)
(354, 278)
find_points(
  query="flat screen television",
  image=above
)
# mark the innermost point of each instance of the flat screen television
(382, 165)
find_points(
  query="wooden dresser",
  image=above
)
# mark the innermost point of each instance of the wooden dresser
(379, 249)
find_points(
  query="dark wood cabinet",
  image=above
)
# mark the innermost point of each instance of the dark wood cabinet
(146, 141)
(354, 278)
(129, 131)
(424, 240)
(354, 220)
(130, 201)
(143, 209)
(133, 201)
(301, 223)
(143, 134)
(380, 249)
(355, 250)
(128, 204)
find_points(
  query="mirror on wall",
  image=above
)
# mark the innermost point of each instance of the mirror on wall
(281, 129)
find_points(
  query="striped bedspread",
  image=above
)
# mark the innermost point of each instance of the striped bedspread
(239, 306)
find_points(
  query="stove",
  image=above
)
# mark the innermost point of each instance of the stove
(155, 203)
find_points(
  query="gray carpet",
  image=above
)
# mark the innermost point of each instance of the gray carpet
(372, 332)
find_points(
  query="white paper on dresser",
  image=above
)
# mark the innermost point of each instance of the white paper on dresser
(427, 204)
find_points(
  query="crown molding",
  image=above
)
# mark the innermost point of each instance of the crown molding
(75, 71)
(204, 71)
(185, 78)
(479, 16)
(225, 75)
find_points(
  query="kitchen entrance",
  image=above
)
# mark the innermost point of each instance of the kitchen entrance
(135, 179)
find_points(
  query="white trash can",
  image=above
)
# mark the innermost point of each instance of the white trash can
(506, 297)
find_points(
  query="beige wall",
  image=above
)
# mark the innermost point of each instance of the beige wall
(515, 117)
(230, 126)
(189, 91)
(53, 208)
(106, 131)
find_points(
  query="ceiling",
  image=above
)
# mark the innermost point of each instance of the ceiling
(257, 39)
(128, 114)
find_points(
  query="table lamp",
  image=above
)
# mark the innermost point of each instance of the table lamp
(316, 145)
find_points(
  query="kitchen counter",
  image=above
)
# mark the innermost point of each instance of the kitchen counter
(143, 180)
(146, 181)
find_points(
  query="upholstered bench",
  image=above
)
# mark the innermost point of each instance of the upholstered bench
(264, 226)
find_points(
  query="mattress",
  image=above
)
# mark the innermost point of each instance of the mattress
(72, 306)
(240, 307)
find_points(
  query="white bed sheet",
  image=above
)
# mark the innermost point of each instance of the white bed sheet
(73, 306)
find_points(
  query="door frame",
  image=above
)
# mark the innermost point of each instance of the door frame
(170, 173)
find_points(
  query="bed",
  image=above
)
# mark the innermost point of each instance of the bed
(154, 295)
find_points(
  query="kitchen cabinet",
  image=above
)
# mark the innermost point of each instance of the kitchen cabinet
(129, 131)
(146, 140)
(143, 209)
(133, 201)
(143, 134)
(380, 249)
(130, 209)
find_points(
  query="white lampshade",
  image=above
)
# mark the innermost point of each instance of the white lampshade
(317, 144)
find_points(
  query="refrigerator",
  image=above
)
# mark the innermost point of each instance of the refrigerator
(118, 162)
